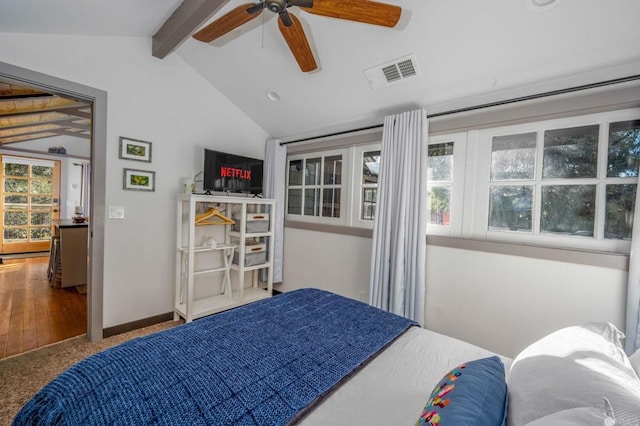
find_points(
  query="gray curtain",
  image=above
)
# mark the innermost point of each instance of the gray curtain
(632, 342)
(275, 164)
(397, 280)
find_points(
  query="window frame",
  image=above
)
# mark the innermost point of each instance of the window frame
(345, 191)
(477, 194)
(457, 184)
(357, 185)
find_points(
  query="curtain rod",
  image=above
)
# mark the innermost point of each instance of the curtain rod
(487, 105)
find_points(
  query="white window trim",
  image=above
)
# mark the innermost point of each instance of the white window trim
(477, 189)
(345, 193)
(457, 184)
(356, 185)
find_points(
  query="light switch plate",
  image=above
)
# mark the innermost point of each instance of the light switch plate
(116, 212)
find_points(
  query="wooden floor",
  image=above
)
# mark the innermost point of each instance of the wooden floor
(33, 314)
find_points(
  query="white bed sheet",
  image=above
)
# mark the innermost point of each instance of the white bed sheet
(393, 388)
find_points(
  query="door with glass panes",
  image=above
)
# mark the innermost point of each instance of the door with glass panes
(29, 202)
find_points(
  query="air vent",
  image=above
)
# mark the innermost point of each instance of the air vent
(392, 72)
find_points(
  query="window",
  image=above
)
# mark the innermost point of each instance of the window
(369, 183)
(445, 173)
(576, 183)
(28, 187)
(315, 185)
(568, 182)
(439, 182)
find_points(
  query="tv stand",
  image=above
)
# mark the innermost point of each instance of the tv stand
(211, 278)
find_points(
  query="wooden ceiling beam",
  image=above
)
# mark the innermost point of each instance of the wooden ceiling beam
(68, 109)
(183, 22)
(74, 134)
(41, 135)
(61, 132)
(59, 121)
(77, 113)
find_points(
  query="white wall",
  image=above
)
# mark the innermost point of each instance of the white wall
(331, 262)
(162, 101)
(496, 301)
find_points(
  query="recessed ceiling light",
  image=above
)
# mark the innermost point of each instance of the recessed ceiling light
(542, 3)
(273, 95)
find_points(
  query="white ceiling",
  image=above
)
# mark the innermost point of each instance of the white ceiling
(469, 52)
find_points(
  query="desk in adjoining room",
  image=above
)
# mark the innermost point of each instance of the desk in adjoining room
(68, 256)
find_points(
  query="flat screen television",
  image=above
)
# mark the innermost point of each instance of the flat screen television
(226, 172)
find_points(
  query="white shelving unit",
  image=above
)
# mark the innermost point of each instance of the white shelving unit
(238, 241)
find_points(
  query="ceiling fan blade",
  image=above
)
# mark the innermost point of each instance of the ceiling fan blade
(366, 11)
(298, 44)
(300, 3)
(232, 20)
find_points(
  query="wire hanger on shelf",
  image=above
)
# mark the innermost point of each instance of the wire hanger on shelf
(213, 217)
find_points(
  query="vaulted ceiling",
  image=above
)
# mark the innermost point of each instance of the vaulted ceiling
(466, 52)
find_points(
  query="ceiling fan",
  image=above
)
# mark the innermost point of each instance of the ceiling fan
(366, 11)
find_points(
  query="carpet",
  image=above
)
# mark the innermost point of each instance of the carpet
(21, 376)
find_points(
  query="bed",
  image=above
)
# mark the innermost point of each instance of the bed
(314, 358)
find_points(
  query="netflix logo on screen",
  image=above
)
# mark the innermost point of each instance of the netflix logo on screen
(235, 173)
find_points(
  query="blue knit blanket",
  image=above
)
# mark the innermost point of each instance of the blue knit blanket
(260, 364)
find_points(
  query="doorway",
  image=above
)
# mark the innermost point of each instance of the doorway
(98, 113)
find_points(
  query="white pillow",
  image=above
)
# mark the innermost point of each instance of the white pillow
(573, 368)
(583, 416)
(635, 361)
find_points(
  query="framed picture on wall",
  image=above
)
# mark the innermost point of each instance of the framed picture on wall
(138, 180)
(135, 149)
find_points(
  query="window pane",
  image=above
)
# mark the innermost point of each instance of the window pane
(312, 202)
(570, 153)
(624, 149)
(333, 170)
(15, 234)
(41, 186)
(568, 209)
(15, 218)
(294, 201)
(368, 210)
(11, 169)
(13, 200)
(370, 166)
(440, 162)
(40, 200)
(16, 185)
(331, 202)
(41, 233)
(513, 157)
(510, 208)
(40, 218)
(619, 211)
(438, 206)
(295, 172)
(42, 171)
(312, 171)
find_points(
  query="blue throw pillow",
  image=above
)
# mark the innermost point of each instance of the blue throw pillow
(473, 393)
